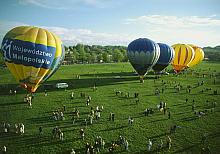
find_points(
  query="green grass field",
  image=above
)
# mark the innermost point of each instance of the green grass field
(187, 138)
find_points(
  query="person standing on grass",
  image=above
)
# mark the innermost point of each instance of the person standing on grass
(169, 115)
(113, 116)
(129, 120)
(103, 144)
(193, 107)
(169, 142)
(73, 119)
(145, 112)
(92, 112)
(161, 144)
(72, 151)
(110, 116)
(72, 95)
(4, 149)
(214, 104)
(97, 146)
(45, 92)
(62, 116)
(189, 90)
(99, 114)
(161, 105)
(164, 110)
(204, 137)
(77, 113)
(96, 115)
(150, 144)
(16, 128)
(87, 102)
(87, 150)
(126, 145)
(59, 133)
(164, 105)
(90, 119)
(97, 108)
(40, 130)
(82, 134)
(61, 136)
(85, 122)
(22, 128)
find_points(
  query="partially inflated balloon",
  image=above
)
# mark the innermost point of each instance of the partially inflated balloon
(166, 56)
(183, 56)
(199, 55)
(143, 53)
(32, 55)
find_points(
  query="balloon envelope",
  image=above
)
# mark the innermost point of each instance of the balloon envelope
(199, 55)
(183, 56)
(166, 56)
(143, 53)
(32, 55)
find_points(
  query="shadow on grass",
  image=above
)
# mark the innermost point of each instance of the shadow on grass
(47, 122)
(110, 129)
(104, 79)
(162, 119)
(112, 74)
(191, 118)
(158, 136)
(187, 149)
(179, 113)
(73, 83)
(10, 104)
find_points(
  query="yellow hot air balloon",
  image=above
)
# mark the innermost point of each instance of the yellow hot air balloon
(32, 55)
(199, 55)
(183, 56)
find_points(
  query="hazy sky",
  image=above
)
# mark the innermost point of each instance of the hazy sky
(118, 22)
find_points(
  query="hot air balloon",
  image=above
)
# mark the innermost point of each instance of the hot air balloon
(143, 53)
(199, 55)
(183, 56)
(32, 55)
(166, 56)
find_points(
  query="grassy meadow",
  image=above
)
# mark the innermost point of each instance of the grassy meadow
(110, 78)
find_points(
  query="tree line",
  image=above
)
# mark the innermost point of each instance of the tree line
(95, 54)
(80, 53)
(212, 54)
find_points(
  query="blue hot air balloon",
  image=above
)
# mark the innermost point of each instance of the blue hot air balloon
(143, 54)
(166, 56)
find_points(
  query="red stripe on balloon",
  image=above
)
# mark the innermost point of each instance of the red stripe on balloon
(186, 56)
(179, 55)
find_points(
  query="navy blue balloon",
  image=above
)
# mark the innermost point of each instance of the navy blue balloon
(166, 56)
(143, 53)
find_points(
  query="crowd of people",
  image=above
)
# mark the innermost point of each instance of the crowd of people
(58, 115)
(17, 128)
(95, 113)
(57, 133)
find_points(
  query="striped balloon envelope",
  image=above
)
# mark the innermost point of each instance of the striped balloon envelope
(32, 55)
(143, 54)
(184, 54)
(166, 56)
(199, 55)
